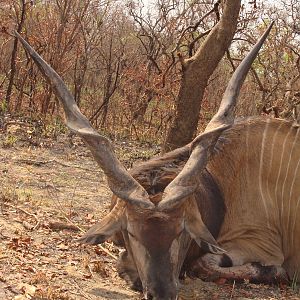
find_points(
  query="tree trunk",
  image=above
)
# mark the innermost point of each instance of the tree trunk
(196, 72)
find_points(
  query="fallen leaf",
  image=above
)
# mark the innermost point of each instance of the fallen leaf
(29, 290)
(62, 247)
(31, 269)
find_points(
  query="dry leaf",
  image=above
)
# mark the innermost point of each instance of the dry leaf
(29, 290)
(63, 247)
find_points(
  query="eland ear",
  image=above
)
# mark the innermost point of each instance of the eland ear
(103, 230)
(99, 232)
(199, 232)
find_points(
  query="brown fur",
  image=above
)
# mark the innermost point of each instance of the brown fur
(255, 167)
(250, 231)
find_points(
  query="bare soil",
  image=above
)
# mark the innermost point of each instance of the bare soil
(52, 191)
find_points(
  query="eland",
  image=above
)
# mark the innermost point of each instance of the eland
(225, 205)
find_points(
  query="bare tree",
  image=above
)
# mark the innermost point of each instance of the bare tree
(131, 67)
(20, 13)
(110, 55)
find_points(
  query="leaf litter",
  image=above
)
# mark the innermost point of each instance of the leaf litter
(50, 194)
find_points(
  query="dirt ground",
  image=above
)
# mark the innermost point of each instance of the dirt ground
(52, 191)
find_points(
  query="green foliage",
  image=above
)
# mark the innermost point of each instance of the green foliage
(294, 282)
(9, 141)
(54, 128)
(8, 194)
(3, 107)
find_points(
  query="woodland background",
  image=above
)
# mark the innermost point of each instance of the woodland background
(121, 60)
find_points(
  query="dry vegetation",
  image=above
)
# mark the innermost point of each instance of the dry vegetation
(50, 192)
(122, 61)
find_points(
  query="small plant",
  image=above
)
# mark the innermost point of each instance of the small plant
(294, 282)
(9, 141)
(3, 107)
(25, 194)
(8, 195)
(54, 128)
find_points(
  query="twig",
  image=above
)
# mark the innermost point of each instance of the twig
(33, 162)
(41, 162)
(196, 25)
(61, 225)
(25, 212)
(79, 294)
(107, 252)
(22, 210)
(90, 270)
(75, 225)
(232, 290)
(230, 59)
(71, 166)
(82, 293)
